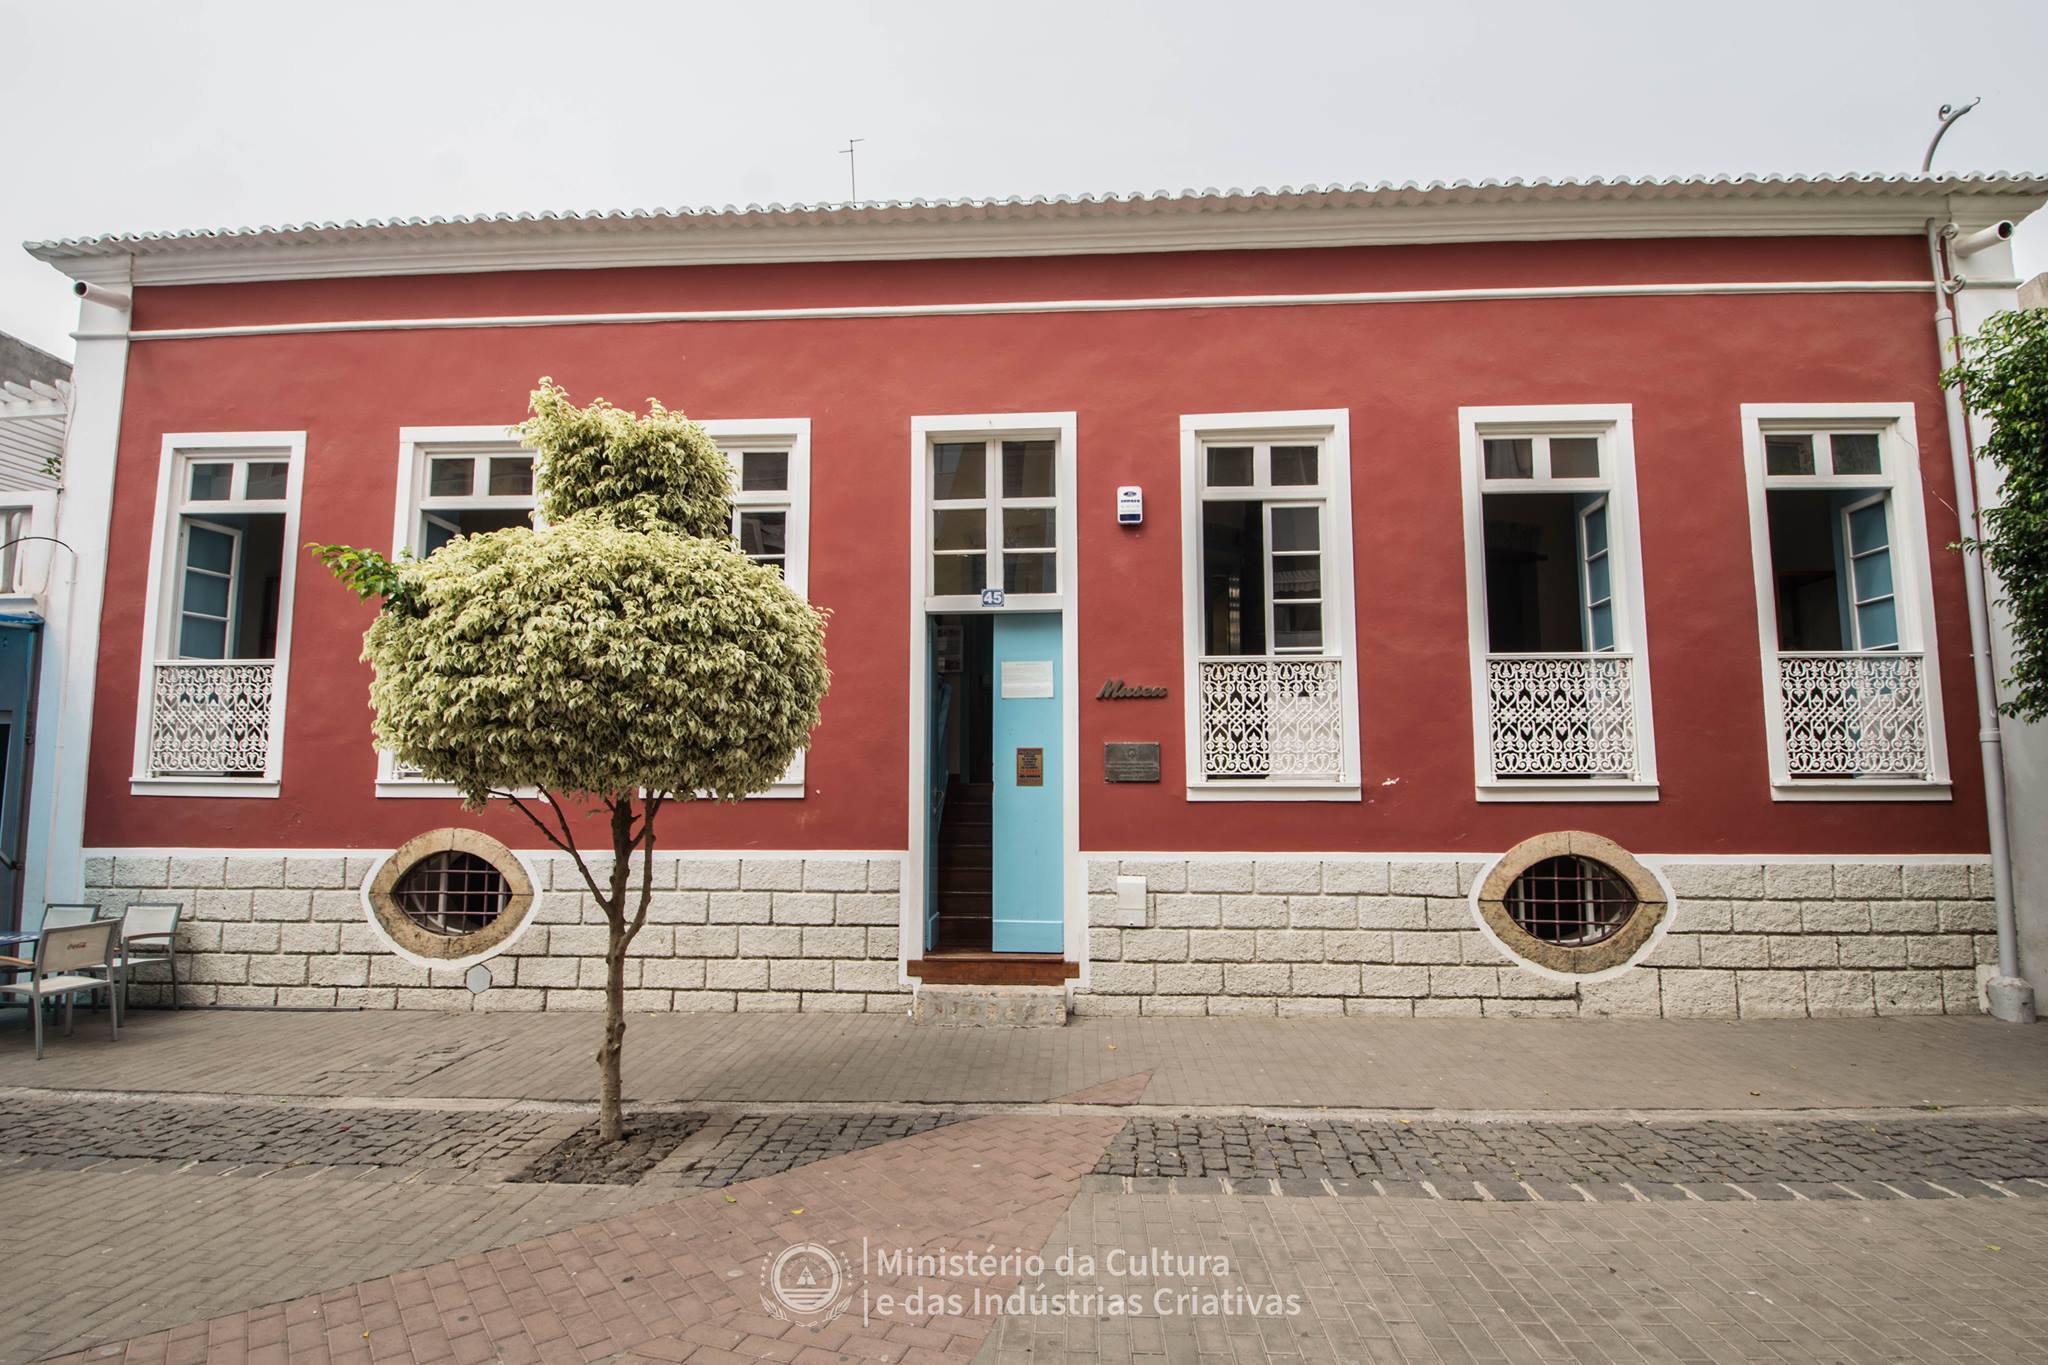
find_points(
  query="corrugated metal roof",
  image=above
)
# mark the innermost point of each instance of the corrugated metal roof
(1162, 202)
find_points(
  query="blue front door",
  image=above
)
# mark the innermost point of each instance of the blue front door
(1029, 881)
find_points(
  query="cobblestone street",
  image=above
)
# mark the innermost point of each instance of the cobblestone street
(242, 1222)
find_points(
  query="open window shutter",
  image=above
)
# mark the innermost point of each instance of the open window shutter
(1596, 577)
(1874, 608)
(208, 562)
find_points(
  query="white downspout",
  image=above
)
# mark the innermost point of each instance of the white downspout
(2009, 996)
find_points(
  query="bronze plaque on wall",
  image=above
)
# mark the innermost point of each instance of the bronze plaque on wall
(1031, 767)
(1130, 762)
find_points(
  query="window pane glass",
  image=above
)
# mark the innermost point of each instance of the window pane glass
(199, 638)
(1597, 586)
(1788, 454)
(1867, 529)
(206, 594)
(207, 549)
(761, 533)
(1028, 527)
(1298, 626)
(512, 476)
(1855, 452)
(454, 477)
(764, 471)
(1877, 624)
(211, 482)
(961, 530)
(1574, 457)
(266, 479)
(1510, 457)
(1297, 576)
(1230, 466)
(1873, 575)
(959, 471)
(959, 575)
(1601, 619)
(1027, 469)
(1029, 573)
(1295, 528)
(1595, 522)
(436, 534)
(1294, 466)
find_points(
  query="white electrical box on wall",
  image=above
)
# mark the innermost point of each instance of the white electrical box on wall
(1130, 505)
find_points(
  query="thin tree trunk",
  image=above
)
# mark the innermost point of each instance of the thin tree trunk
(610, 1116)
(622, 931)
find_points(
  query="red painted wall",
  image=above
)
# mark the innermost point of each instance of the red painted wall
(1685, 364)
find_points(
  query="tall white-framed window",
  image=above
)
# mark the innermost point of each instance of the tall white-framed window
(453, 481)
(1554, 605)
(1267, 606)
(217, 615)
(1845, 602)
(771, 513)
(469, 480)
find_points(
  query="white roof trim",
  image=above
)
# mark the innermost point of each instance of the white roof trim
(1312, 216)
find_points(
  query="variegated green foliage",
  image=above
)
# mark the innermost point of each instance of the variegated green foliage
(2003, 371)
(660, 469)
(625, 657)
(587, 658)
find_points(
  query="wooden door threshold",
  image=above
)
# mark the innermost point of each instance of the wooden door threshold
(958, 967)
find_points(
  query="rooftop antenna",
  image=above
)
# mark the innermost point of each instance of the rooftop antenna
(1949, 114)
(853, 181)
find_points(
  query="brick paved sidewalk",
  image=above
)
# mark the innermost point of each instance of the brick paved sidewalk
(682, 1280)
(1526, 1065)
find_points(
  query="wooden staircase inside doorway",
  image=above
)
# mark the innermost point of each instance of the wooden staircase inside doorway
(965, 869)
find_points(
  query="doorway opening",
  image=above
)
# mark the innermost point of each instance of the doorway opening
(961, 846)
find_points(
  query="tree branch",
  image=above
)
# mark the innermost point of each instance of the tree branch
(646, 843)
(567, 845)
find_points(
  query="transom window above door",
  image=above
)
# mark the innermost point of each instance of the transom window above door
(994, 508)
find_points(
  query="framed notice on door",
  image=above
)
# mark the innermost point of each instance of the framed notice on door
(1031, 767)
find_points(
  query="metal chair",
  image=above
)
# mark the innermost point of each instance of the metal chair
(65, 957)
(149, 935)
(64, 914)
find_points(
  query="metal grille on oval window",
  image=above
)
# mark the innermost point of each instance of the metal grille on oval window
(1572, 902)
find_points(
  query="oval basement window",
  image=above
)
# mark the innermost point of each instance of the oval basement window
(1571, 902)
(450, 896)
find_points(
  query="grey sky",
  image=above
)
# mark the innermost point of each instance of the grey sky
(225, 112)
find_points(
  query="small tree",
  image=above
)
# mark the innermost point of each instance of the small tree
(623, 658)
(2003, 371)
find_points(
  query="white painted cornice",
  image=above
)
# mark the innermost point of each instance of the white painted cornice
(1364, 215)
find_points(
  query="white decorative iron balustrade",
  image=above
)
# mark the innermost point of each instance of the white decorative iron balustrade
(1855, 715)
(1273, 718)
(1562, 715)
(210, 718)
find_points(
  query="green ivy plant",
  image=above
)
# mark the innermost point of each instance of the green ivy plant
(623, 658)
(2003, 371)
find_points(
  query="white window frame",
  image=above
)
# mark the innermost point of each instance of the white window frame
(1912, 579)
(1329, 429)
(32, 557)
(1614, 425)
(417, 446)
(180, 450)
(735, 436)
